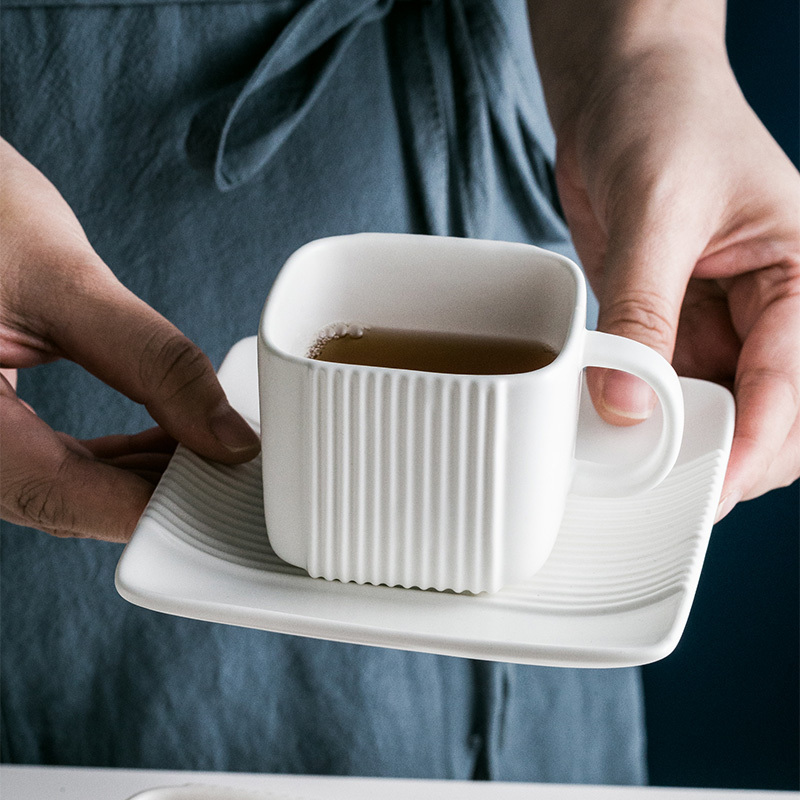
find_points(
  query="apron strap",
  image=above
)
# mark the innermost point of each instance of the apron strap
(470, 110)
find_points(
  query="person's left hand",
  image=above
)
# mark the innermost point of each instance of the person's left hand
(686, 216)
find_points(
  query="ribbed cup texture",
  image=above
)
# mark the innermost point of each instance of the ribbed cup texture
(404, 475)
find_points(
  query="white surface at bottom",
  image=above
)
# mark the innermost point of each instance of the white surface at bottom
(83, 783)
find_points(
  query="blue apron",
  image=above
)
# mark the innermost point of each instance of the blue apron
(200, 143)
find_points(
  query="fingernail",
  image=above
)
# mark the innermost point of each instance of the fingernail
(627, 396)
(232, 430)
(727, 503)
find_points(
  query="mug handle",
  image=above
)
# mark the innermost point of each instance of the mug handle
(618, 352)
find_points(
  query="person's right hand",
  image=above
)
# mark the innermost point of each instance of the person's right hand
(60, 300)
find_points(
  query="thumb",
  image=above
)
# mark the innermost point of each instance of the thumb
(643, 284)
(105, 328)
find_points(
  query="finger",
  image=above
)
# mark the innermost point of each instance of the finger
(645, 274)
(141, 462)
(10, 375)
(152, 440)
(45, 484)
(153, 478)
(149, 465)
(587, 235)
(767, 391)
(707, 346)
(120, 339)
(126, 452)
(783, 470)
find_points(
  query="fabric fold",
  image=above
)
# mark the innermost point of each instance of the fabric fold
(468, 110)
(286, 83)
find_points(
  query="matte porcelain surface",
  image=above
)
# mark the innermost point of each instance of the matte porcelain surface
(615, 591)
(430, 480)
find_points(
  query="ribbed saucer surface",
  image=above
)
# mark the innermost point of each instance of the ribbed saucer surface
(616, 590)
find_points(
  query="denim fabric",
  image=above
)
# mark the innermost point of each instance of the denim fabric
(199, 144)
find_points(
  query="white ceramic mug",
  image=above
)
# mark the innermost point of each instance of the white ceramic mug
(443, 481)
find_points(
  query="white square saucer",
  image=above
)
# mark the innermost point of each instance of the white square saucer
(616, 590)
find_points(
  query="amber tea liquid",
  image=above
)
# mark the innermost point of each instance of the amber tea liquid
(427, 351)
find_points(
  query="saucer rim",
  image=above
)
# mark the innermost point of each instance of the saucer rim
(150, 540)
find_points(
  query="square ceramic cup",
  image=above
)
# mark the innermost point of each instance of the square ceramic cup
(428, 480)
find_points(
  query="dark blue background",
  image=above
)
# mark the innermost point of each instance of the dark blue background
(723, 709)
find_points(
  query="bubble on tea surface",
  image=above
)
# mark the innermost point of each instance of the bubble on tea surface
(336, 330)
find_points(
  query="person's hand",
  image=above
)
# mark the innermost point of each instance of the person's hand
(60, 300)
(686, 216)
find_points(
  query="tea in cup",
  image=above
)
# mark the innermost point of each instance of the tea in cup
(419, 409)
